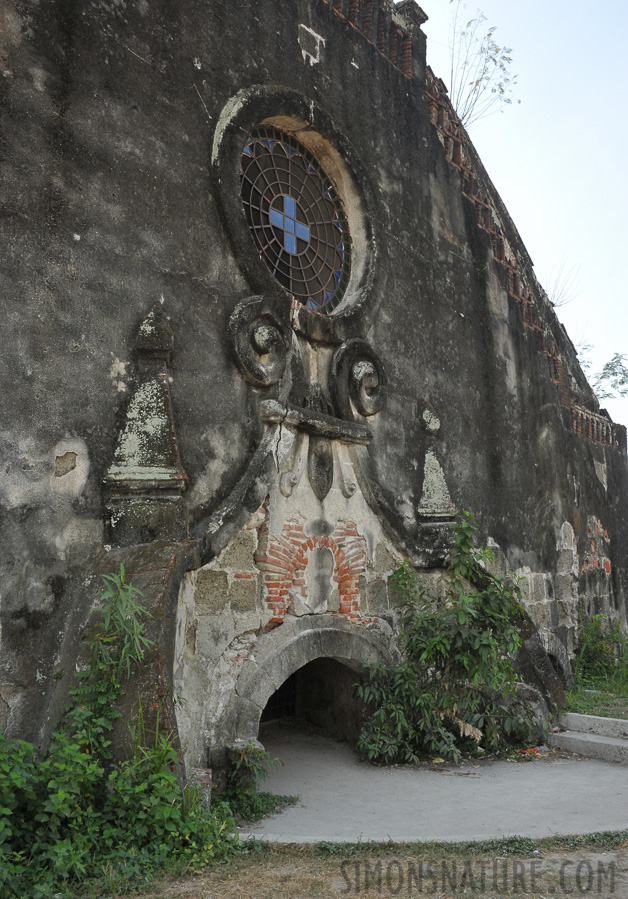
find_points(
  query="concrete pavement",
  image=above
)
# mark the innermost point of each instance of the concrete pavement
(343, 799)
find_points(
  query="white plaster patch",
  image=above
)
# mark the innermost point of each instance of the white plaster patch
(117, 369)
(311, 45)
(600, 470)
(79, 530)
(23, 478)
(432, 422)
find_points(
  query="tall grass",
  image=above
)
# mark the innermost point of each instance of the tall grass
(601, 672)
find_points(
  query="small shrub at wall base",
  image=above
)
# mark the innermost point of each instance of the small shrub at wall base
(251, 765)
(76, 815)
(455, 690)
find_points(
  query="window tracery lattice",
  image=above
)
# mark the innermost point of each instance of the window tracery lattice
(296, 219)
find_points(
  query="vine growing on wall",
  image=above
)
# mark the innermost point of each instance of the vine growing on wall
(455, 687)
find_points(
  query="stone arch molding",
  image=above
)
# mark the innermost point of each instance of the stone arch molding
(281, 652)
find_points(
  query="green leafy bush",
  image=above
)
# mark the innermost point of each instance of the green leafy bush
(77, 813)
(456, 685)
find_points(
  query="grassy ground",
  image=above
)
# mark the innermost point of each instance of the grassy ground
(521, 867)
(601, 671)
(599, 697)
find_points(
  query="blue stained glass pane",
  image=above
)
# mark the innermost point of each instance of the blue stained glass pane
(248, 151)
(289, 207)
(340, 249)
(338, 276)
(337, 224)
(311, 305)
(309, 168)
(289, 226)
(276, 218)
(328, 295)
(290, 151)
(326, 193)
(302, 231)
(290, 243)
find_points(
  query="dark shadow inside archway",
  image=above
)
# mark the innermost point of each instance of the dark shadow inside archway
(320, 693)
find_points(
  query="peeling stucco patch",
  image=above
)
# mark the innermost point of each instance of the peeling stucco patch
(600, 471)
(65, 464)
(70, 464)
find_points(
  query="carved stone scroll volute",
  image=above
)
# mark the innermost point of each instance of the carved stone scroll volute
(261, 342)
(358, 378)
(267, 353)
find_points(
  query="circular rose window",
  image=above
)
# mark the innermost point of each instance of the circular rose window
(296, 219)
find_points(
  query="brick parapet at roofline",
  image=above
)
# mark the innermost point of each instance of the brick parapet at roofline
(536, 312)
(394, 30)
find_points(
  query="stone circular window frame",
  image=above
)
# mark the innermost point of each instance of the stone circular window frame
(313, 128)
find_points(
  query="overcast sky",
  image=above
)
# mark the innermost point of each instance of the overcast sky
(557, 158)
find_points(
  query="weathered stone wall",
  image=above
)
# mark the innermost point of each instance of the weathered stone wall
(122, 125)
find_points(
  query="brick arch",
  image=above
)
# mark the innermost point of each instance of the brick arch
(283, 650)
(283, 561)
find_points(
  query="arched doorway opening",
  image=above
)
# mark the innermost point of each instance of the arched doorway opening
(339, 650)
(320, 693)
